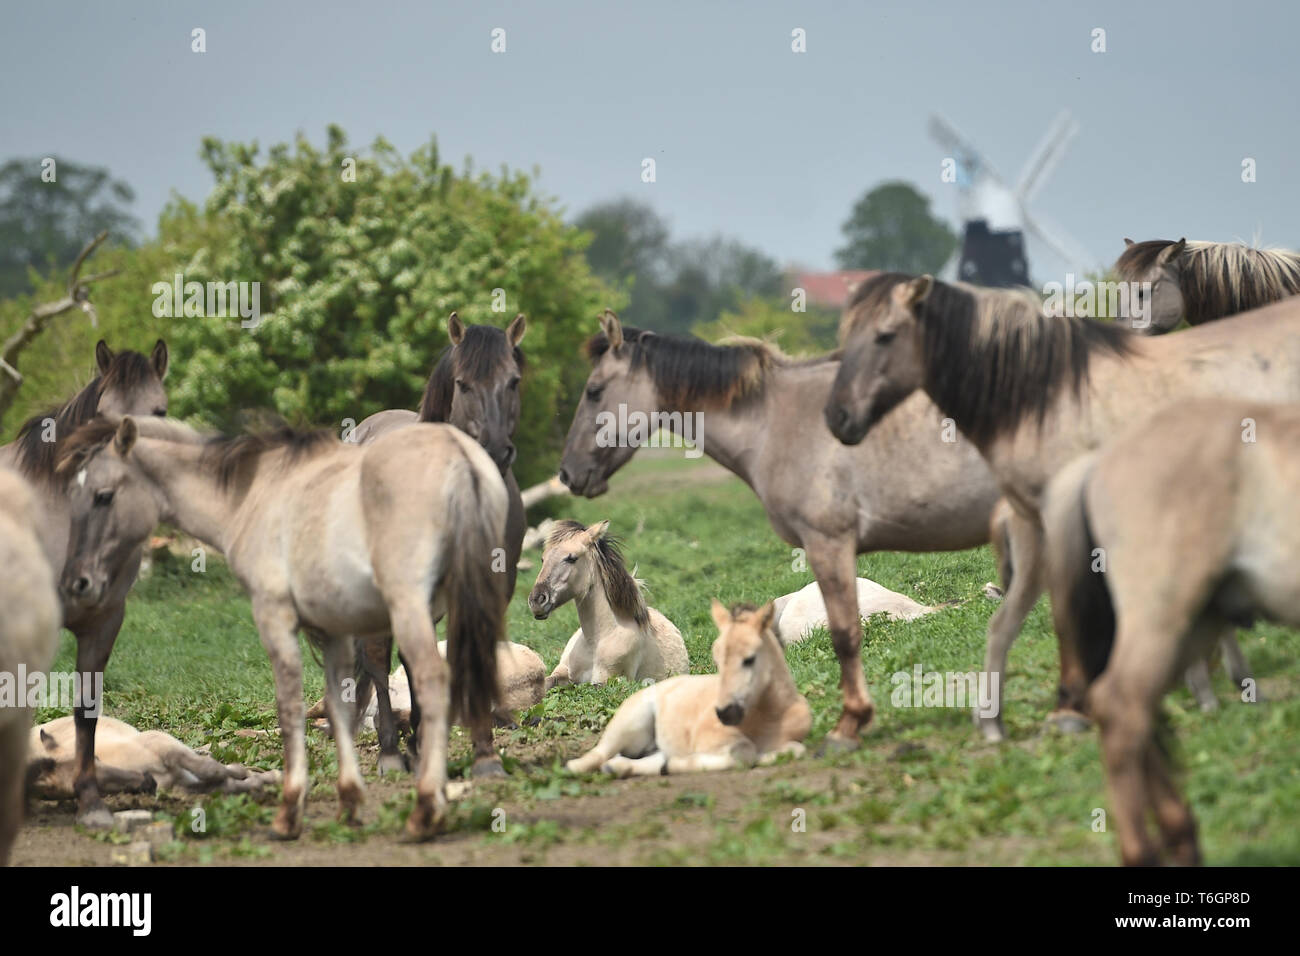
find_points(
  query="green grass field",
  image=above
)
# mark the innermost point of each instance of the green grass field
(922, 789)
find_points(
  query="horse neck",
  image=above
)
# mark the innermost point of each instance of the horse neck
(596, 615)
(190, 496)
(781, 689)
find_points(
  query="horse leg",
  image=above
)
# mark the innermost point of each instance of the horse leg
(377, 656)
(1022, 582)
(339, 660)
(1235, 660)
(1173, 815)
(1126, 737)
(1198, 682)
(430, 698)
(277, 623)
(1070, 715)
(741, 753)
(13, 747)
(631, 731)
(94, 645)
(834, 564)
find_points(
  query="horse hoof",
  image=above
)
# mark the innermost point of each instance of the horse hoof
(393, 763)
(282, 835)
(96, 818)
(992, 730)
(837, 745)
(487, 767)
(1068, 722)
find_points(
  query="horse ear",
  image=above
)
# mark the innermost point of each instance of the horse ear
(517, 328)
(597, 530)
(765, 615)
(613, 330)
(1171, 252)
(918, 290)
(127, 433)
(103, 356)
(160, 359)
(721, 616)
(455, 329)
(1128, 242)
(47, 741)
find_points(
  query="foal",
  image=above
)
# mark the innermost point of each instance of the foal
(749, 712)
(330, 538)
(620, 635)
(1179, 568)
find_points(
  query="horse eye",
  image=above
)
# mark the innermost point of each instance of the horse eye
(570, 559)
(460, 384)
(160, 412)
(103, 498)
(514, 382)
(885, 336)
(749, 661)
(594, 392)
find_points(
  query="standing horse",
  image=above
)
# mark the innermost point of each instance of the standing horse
(1181, 566)
(127, 383)
(1204, 281)
(474, 386)
(907, 489)
(330, 538)
(1033, 392)
(29, 636)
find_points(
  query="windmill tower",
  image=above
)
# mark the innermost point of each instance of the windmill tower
(996, 216)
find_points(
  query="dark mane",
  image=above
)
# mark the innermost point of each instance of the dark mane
(690, 373)
(38, 459)
(870, 296)
(994, 358)
(84, 442)
(1218, 279)
(620, 588)
(482, 353)
(235, 458)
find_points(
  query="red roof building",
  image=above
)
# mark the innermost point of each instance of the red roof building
(830, 290)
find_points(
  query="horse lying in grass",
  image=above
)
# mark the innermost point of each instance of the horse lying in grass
(1179, 568)
(749, 712)
(127, 383)
(800, 613)
(331, 538)
(29, 635)
(132, 761)
(620, 635)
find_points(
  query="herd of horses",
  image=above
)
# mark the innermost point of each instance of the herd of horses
(1073, 438)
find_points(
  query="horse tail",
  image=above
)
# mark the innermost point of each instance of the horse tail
(475, 591)
(1082, 603)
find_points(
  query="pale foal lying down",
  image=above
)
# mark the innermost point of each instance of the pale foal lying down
(620, 635)
(801, 613)
(749, 712)
(131, 761)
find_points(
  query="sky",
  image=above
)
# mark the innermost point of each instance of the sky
(750, 139)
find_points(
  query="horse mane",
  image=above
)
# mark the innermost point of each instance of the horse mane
(870, 296)
(235, 457)
(689, 372)
(38, 459)
(1219, 279)
(993, 358)
(482, 351)
(621, 589)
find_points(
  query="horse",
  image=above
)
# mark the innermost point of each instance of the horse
(749, 712)
(1179, 567)
(29, 636)
(127, 383)
(475, 386)
(620, 636)
(1032, 392)
(1205, 281)
(132, 761)
(332, 538)
(908, 489)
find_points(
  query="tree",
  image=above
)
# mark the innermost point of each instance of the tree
(891, 228)
(45, 224)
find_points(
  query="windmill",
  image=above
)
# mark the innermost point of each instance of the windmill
(996, 216)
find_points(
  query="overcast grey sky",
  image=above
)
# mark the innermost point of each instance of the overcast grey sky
(750, 139)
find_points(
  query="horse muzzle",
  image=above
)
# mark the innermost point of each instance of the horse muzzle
(731, 715)
(541, 603)
(81, 588)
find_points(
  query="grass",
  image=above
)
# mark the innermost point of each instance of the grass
(922, 789)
